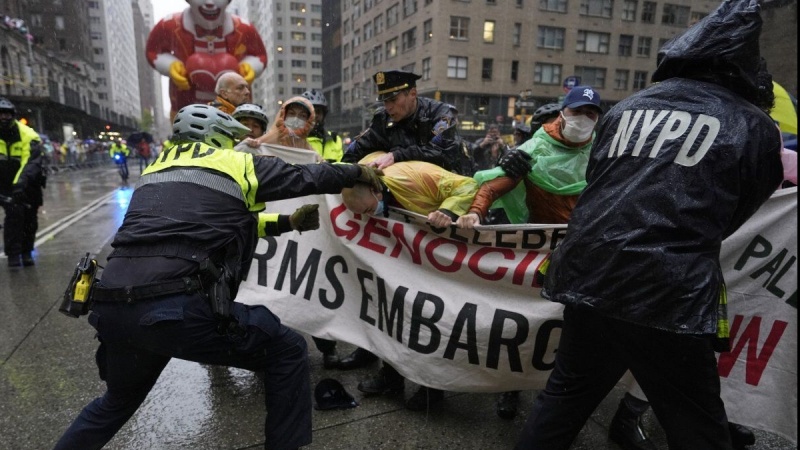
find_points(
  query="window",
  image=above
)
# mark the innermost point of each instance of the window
(392, 15)
(621, 80)
(98, 50)
(598, 8)
(316, 78)
(316, 23)
(516, 35)
(36, 20)
(368, 31)
(377, 54)
(426, 69)
(629, 10)
(346, 50)
(551, 37)
(675, 15)
(486, 69)
(639, 80)
(298, 49)
(295, 6)
(553, 5)
(592, 42)
(649, 12)
(592, 76)
(298, 36)
(316, 50)
(643, 49)
(391, 48)
(514, 70)
(409, 67)
(298, 63)
(544, 73)
(299, 21)
(298, 90)
(280, 77)
(409, 7)
(316, 64)
(488, 31)
(280, 35)
(378, 24)
(427, 30)
(625, 44)
(94, 5)
(299, 77)
(316, 37)
(59, 22)
(457, 67)
(696, 17)
(345, 74)
(459, 28)
(409, 39)
(356, 65)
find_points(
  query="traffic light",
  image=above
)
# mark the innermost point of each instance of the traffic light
(108, 127)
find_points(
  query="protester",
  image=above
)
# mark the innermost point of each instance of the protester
(292, 125)
(22, 179)
(327, 143)
(253, 117)
(187, 240)
(232, 90)
(544, 114)
(675, 169)
(556, 174)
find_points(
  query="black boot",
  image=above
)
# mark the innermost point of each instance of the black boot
(359, 358)
(14, 260)
(386, 381)
(424, 398)
(626, 427)
(27, 259)
(741, 436)
(507, 404)
(330, 360)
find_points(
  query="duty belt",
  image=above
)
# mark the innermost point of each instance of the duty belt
(130, 294)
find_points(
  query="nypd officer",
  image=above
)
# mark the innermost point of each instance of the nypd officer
(21, 183)
(325, 142)
(409, 127)
(187, 239)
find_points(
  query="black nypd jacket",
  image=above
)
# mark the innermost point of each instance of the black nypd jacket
(411, 139)
(674, 170)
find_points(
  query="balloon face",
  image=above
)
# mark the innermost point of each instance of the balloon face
(208, 14)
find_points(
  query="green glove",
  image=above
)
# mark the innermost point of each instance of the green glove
(305, 218)
(370, 175)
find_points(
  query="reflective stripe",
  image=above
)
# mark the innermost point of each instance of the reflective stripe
(199, 177)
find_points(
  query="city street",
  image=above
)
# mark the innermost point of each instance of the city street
(48, 371)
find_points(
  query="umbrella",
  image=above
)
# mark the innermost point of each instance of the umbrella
(785, 110)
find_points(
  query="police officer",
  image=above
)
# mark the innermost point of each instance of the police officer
(119, 152)
(409, 127)
(21, 183)
(327, 143)
(187, 239)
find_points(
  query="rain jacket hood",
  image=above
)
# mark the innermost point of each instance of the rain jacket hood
(722, 48)
(279, 134)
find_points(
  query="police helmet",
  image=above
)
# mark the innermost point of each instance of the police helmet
(316, 98)
(7, 106)
(252, 111)
(204, 123)
(545, 112)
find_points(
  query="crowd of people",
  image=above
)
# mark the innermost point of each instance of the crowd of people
(638, 273)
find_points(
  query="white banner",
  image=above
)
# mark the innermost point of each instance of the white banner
(458, 310)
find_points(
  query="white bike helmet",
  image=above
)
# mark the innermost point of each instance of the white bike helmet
(316, 98)
(203, 123)
(253, 111)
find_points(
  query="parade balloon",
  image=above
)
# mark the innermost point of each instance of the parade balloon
(205, 68)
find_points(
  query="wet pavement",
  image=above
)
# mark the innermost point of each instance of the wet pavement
(47, 369)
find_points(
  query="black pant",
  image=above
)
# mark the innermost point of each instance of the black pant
(138, 340)
(19, 228)
(677, 372)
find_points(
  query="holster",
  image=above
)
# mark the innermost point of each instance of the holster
(219, 296)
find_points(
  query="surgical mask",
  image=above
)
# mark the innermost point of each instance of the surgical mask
(294, 122)
(577, 128)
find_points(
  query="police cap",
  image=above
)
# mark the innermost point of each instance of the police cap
(392, 82)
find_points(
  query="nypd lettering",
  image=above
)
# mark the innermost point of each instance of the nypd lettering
(696, 133)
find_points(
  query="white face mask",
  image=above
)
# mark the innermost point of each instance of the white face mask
(294, 122)
(577, 128)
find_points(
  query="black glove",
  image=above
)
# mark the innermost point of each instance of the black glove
(370, 175)
(305, 218)
(19, 195)
(516, 163)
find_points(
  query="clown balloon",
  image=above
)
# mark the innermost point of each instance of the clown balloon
(194, 47)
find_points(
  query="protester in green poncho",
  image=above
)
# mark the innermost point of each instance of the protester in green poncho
(546, 189)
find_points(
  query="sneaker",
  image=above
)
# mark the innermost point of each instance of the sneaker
(27, 259)
(383, 384)
(424, 398)
(14, 261)
(507, 404)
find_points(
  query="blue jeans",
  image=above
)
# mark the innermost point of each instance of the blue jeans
(137, 341)
(677, 372)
